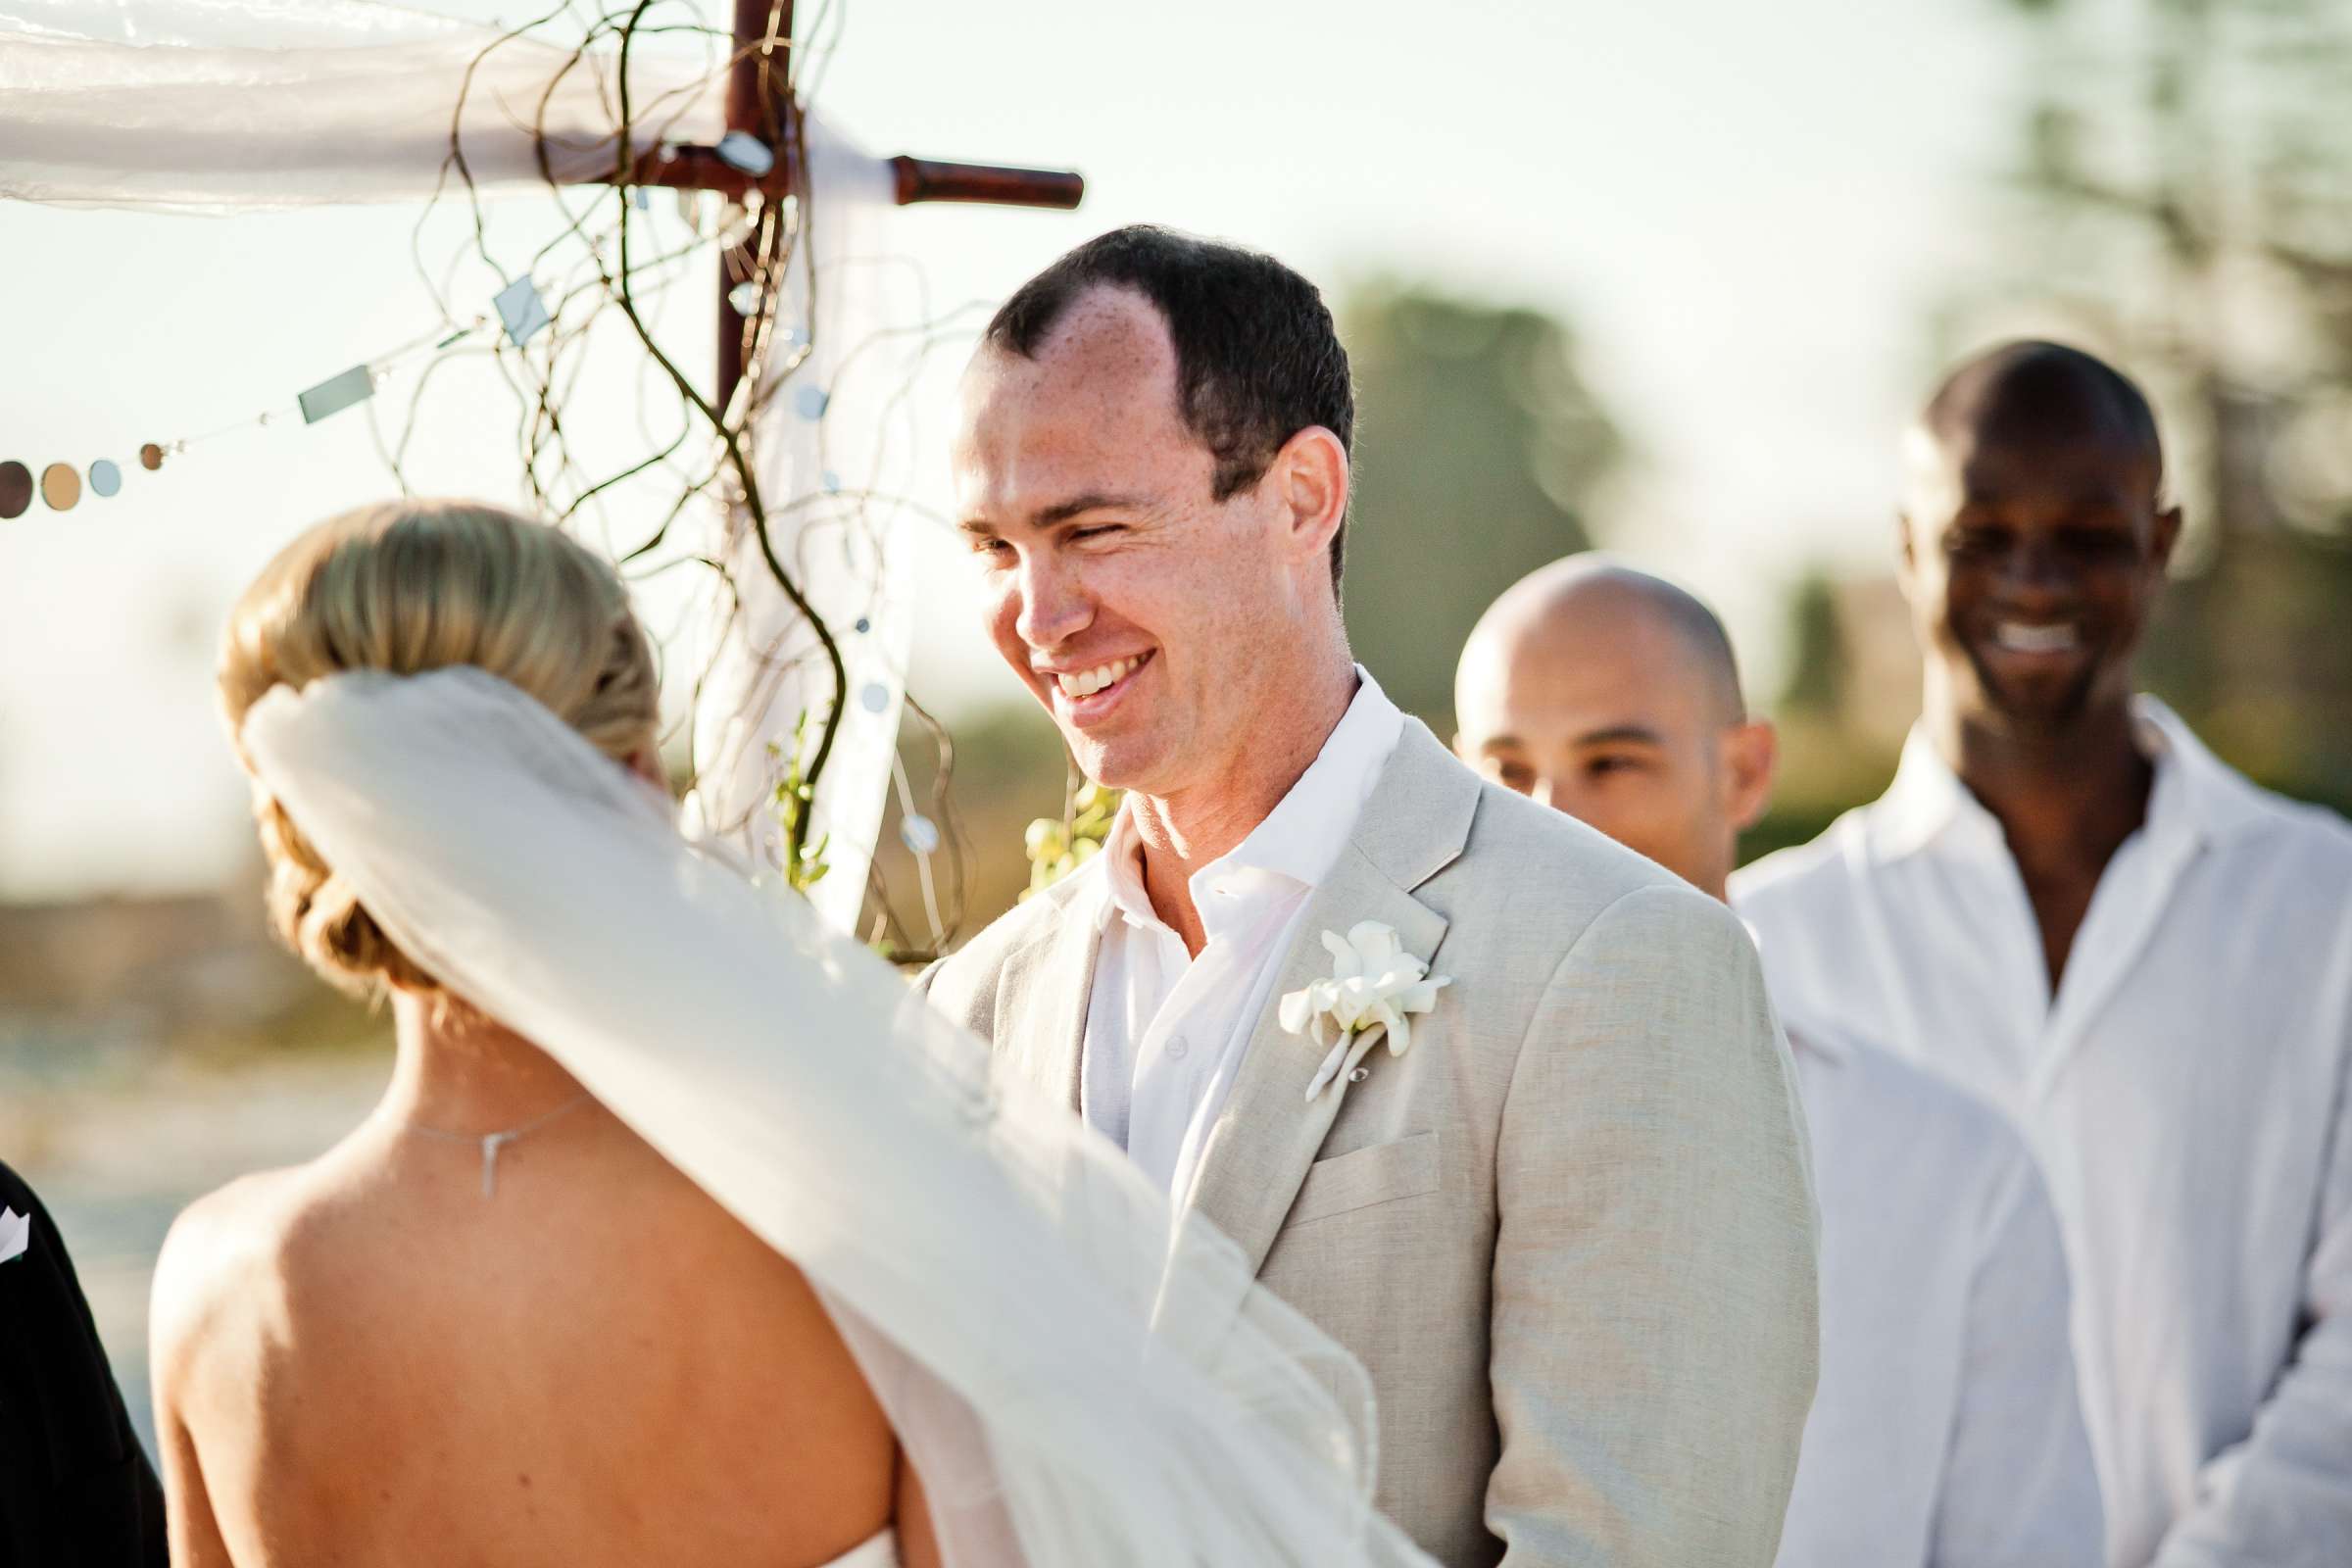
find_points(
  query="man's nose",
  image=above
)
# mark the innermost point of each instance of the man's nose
(1055, 604)
(2036, 569)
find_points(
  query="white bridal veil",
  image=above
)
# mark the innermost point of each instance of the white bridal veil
(1080, 1385)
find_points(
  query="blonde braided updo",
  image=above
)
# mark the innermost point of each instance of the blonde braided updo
(408, 586)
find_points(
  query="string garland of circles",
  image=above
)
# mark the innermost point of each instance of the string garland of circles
(62, 485)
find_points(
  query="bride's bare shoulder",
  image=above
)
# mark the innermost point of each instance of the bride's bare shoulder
(213, 1250)
(225, 1266)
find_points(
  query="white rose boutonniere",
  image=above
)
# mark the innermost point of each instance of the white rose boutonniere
(1374, 988)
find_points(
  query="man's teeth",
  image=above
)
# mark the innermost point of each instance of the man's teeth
(2027, 639)
(1087, 682)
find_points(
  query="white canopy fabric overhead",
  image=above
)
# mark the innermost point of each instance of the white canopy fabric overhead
(238, 106)
(223, 106)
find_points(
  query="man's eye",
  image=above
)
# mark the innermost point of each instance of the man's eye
(984, 546)
(1599, 765)
(1973, 541)
(2096, 544)
(1510, 775)
(1096, 530)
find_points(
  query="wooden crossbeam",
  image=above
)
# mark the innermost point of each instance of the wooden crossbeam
(760, 104)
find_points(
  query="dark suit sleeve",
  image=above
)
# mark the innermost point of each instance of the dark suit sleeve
(74, 1485)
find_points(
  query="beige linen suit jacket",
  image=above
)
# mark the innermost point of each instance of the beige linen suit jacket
(1569, 1233)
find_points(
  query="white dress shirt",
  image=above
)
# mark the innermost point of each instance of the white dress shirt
(1165, 1032)
(1945, 1430)
(2184, 1091)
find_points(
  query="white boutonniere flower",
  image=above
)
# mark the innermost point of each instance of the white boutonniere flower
(1375, 988)
(16, 1233)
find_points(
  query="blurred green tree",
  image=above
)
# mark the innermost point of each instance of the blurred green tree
(1816, 681)
(1479, 448)
(2191, 166)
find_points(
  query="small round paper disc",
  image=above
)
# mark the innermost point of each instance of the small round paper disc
(60, 486)
(151, 456)
(105, 478)
(16, 489)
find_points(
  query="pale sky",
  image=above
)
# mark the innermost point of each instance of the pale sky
(1746, 212)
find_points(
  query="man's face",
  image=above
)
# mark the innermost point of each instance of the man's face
(1150, 619)
(1606, 715)
(2031, 566)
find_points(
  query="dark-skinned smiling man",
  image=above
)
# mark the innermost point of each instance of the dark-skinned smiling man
(2067, 904)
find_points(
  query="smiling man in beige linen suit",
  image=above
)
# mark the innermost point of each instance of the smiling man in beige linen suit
(1568, 1227)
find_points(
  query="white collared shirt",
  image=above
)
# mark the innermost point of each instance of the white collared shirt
(2186, 1093)
(1165, 1032)
(1945, 1429)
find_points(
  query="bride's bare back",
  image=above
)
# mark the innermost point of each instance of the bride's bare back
(366, 1361)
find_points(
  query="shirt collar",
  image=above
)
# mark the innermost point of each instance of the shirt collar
(2197, 798)
(1300, 840)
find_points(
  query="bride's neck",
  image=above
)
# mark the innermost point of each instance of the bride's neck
(465, 1074)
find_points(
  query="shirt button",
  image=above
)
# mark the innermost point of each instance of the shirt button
(1176, 1050)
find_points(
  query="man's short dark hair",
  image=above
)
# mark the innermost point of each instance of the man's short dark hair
(1257, 358)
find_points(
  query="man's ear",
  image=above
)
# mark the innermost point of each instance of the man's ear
(2168, 534)
(1750, 753)
(1311, 480)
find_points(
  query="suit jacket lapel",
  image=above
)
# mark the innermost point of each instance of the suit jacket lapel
(1041, 1003)
(1258, 1151)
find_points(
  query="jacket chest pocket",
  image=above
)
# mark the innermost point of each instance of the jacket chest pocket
(1381, 1174)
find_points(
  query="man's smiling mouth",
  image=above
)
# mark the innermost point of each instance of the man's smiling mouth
(1077, 683)
(2028, 637)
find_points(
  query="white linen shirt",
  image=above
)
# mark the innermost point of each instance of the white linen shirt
(1945, 1432)
(1165, 1032)
(2184, 1092)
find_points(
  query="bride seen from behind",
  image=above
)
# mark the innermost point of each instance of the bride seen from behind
(492, 1323)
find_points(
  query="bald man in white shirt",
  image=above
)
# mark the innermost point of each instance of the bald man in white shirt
(2072, 907)
(1945, 1430)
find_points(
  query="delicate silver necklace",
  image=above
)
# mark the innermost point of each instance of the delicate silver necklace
(493, 1143)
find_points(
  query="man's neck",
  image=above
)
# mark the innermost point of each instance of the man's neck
(2076, 792)
(1182, 831)
(2066, 800)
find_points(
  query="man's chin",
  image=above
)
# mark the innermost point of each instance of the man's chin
(1116, 762)
(2040, 708)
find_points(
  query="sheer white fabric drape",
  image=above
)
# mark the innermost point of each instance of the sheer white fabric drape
(834, 450)
(1079, 1385)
